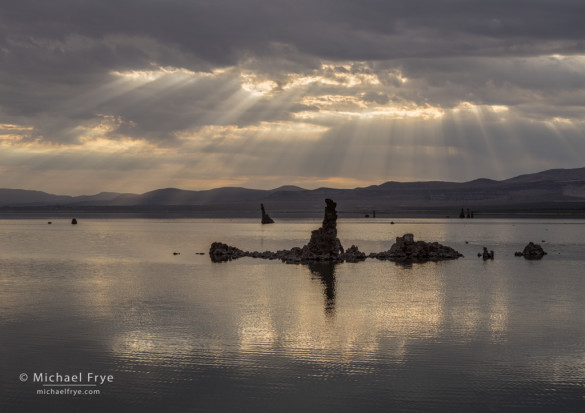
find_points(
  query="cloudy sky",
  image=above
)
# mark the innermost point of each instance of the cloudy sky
(135, 95)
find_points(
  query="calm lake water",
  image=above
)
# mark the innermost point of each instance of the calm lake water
(180, 333)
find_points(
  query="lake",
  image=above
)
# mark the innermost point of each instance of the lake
(179, 333)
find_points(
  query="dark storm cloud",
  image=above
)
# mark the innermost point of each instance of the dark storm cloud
(222, 31)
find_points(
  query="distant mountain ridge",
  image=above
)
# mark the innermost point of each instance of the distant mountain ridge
(555, 186)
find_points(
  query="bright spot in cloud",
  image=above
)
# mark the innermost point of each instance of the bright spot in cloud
(115, 146)
(346, 76)
(12, 134)
(250, 83)
(380, 113)
(271, 131)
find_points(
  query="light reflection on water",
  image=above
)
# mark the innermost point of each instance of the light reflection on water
(181, 333)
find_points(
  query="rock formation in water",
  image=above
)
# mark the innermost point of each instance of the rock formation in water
(74, 221)
(487, 255)
(531, 251)
(265, 217)
(353, 254)
(407, 249)
(219, 252)
(324, 246)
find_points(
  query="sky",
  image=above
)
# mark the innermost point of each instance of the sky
(136, 95)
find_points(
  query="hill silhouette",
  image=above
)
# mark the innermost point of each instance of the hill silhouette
(555, 188)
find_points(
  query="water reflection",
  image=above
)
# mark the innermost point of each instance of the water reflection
(325, 272)
(179, 335)
(407, 265)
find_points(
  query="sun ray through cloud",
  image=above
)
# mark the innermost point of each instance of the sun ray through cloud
(381, 104)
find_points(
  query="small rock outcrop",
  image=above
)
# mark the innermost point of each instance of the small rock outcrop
(353, 254)
(265, 217)
(219, 252)
(487, 255)
(462, 214)
(531, 251)
(74, 221)
(407, 249)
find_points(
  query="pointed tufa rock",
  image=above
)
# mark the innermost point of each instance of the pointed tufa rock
(324, 244)
(265, 217)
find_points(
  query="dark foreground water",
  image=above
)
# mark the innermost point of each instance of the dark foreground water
(179, 333)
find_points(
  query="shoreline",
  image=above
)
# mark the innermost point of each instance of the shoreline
(183, 213)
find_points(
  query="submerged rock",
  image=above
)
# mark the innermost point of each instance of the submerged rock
(407, 249)
(531, 251)
(265, 217)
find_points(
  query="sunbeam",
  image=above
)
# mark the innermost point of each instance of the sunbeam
(344, 123)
